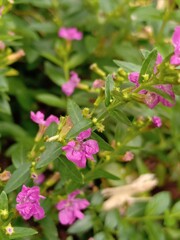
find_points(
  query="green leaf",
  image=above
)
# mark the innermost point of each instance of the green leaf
(81, 226)
(51, 130)
(51, 58)
(51, 100)
(49, 228)
(3, 84)
(109, 85)
(54, 73)
(18, 178)
(99, 173)
(74, 112)
(4, 104)
(76, 60)
(3, 201)
(102, 144)
(145, 52)
(19, 154)
(112, 219)
(13, 130)
(127, 66)
(158, 204)
(52, 152)
(91, 43)
(176, 209)
(3, 236)
(148, 64)
(69, 170)
(21, 232)
(154, 231)
(173, 233)
(120, 116)
(136, 209)
(81, 126)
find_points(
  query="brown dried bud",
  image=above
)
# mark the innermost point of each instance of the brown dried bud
(5, 176)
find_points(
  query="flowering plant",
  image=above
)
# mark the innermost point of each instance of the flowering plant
(89, 120)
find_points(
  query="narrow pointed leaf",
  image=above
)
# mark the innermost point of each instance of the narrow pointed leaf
(52, 152)
(18, 178)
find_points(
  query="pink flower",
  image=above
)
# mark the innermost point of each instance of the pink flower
(29, 203)
(175, 59)
(159, 60)
(134, 78)
(70, 209)
(39, 179)
(69, 87)
(78, 151)
(128, 156)
(157, 121)
(38, 118)
(70, 33)
(151, 98)
(98, 83)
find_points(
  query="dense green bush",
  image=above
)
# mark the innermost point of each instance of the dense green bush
(111, 94)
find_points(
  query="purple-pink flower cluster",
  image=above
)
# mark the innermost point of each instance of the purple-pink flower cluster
(70, 209)
(175, 59)
(28, 203)
(70, 33)
(69, 87)
(151, 98)
(157, 121)
(38, 118)
(79, 151)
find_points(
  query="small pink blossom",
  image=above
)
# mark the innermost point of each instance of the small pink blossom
(98, 83)
(159, 60)
(2, 45)
(69, 87)
(9, 229)
(28, 203)
(70, 33)
(70, 209)
(39, 179)
(134, 78)
(175, 59)
(78, 151)
(128, 156)
(38, 118)
(151, 98)
(157, 121)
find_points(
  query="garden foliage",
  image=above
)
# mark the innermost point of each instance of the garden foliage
(89, 119)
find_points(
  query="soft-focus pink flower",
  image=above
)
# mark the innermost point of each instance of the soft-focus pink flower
(151, 98)
(70, 209)
(98, 83)
(28, 203)
(175, 59)
(134, 78)
(38, 118)
(157, 121)
(51, 119)
(128, 156)
(159, 60)
(78, 151)
(39, 179)
(70, 33)
(69, 87)
(2, 45)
